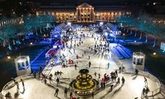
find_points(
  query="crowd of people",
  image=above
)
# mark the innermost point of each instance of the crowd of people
(99, 48)
(18, 92)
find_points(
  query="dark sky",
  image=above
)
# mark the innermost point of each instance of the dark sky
(97, 2)
(2, 0)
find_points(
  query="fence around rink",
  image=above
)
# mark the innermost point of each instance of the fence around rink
(159, 89)
(11, 83)
(153, 78)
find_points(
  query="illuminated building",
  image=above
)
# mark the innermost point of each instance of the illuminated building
(85, 13)
(6, 21)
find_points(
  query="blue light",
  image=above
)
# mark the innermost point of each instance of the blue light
(106, 34)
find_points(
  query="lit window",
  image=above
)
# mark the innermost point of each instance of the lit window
(37, 13)
(53, 13)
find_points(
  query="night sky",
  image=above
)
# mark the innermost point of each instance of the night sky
(95, 2)
(150, 6)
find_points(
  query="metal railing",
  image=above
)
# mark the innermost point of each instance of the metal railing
(161, 87)
(153, 78)
(11, 83)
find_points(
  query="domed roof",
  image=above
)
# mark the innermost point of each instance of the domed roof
(84, 5)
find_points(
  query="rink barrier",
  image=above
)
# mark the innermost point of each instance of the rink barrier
(160, 89)
(11, 83)
(151, 77)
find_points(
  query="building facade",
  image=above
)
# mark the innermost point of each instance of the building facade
(85, 13)
(7, 21)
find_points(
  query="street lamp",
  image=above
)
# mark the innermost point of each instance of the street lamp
(8, 57)
(69, 23)
(154, 53)
(106, 34)
(101, 23)
(31, 43)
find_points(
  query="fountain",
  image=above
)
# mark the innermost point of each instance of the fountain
(84, 84)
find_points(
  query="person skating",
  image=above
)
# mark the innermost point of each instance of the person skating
(8, 95)
(108, 65)
(89, 64)
(123, 80)
(93, 95)
(56, 92)
(118, 80)
(136, 71)
(23, 85)
(65, 91)
(145, 81)
(57, 80)
(75, 66)
(89, 57)
(17, 84)
(95, 74)
(71, 94)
